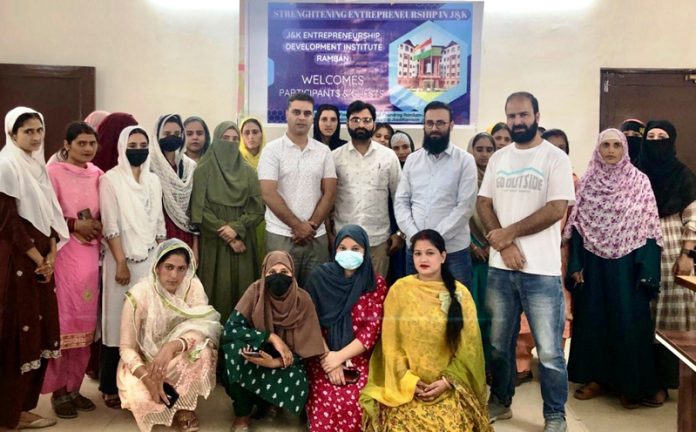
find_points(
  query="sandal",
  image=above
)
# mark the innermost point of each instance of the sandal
(186, 421)
(629, 403)
(63, 407)
(588, 391)
(81, 403)
(112, 400)
(656, 401)
(35, 421)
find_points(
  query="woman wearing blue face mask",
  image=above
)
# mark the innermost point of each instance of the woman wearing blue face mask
(349, 298)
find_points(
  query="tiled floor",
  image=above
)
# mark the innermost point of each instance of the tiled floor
(603, 414)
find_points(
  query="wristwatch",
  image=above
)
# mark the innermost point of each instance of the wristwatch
(691, 253)
(400, 234)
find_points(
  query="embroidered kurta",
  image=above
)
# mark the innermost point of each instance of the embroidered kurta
(331, 408)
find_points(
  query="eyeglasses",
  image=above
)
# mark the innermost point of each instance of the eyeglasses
(440, 124)
(358, 120)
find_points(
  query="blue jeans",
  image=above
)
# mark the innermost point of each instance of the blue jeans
(459, 264)
(509, 294)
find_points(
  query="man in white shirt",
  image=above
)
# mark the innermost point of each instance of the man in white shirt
(437, 190)
(524, 195)
(298, 184)
(368, 174)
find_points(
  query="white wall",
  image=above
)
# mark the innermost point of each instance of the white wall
(152, 60)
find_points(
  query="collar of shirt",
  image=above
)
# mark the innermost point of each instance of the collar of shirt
(289, 143)
(448, 151)
(351, 147)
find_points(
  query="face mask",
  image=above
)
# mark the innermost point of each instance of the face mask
(171, 143)
(136, 157)
(659, 150)
(278, 284)
(349, 260)
(634, 146)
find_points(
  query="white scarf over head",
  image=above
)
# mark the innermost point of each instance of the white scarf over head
(171, 315)
(176, 191)
(139, 202)
(24, 177)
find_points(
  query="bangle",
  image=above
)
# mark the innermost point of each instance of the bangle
(184, 344)
(143, 375)
(449, 384)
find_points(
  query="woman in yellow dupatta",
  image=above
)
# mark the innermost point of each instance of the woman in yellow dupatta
(427, 372)
(253, 140)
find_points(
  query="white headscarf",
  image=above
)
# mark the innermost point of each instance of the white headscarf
(176, 191)
(170, 316)
(24, 178)
(139, 202)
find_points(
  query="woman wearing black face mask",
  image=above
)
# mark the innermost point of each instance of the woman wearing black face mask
(273, 327)
(349, 297)
(130, 197)
(175, 171)
(633, 129)
(674, 185)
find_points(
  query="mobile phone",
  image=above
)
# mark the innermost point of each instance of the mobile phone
(84, 214)
(172, 394)
(253, 354)
(351, 375)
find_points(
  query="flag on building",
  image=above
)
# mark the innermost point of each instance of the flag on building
(424, 49)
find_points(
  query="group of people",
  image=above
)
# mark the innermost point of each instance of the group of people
(362, 283)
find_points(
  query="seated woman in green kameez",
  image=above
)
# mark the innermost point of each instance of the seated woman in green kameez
(273, 327)
(614, 268)
(226, 206)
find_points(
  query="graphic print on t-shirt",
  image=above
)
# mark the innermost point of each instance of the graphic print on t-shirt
(521, 180)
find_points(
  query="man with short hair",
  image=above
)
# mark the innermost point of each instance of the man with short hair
(298, 185)
(368, 174)
(524, 195)
(438, 191)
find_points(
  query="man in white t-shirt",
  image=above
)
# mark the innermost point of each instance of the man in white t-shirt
(524, 195)
(298, 184)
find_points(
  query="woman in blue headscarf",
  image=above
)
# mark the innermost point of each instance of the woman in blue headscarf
(349, 298)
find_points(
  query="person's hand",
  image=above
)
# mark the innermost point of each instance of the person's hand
(158, 366)
(331, 361)
(500, 238)
(395, 244)
(578, 277)
(238, 246)
(336, 377)
(432, 391)
(226, 233)
(684, 266)
(265, 359)
(285, 354)
(45, 270)
(479, 254)
(122, 273)
(513, 258)
(87, 228)
(156, 390)
(303, 232)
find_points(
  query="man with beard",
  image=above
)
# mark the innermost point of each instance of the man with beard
(524, 195)
(438, 191)
(368, 174)
(298, 185)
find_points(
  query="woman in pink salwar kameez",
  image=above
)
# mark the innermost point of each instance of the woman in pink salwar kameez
(76, 183)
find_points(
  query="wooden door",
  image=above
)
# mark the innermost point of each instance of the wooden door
(61, 93)
(650, 94)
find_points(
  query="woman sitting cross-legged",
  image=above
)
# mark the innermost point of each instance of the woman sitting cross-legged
(169, 337)
(427, 371)
(273, 327)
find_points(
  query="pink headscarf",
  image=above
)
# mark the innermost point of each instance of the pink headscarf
(615, 210)
(95, 118)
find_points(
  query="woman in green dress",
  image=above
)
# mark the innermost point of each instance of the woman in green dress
(614, 268)
(273, 327)
(226, 206)
(481, 147)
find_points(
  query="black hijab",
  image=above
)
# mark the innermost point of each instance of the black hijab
(634, 142)
(673, 183)
(334, 295)
(336, 140)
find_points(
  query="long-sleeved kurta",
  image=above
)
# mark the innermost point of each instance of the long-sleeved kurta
(224, 273)
(613, 332)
